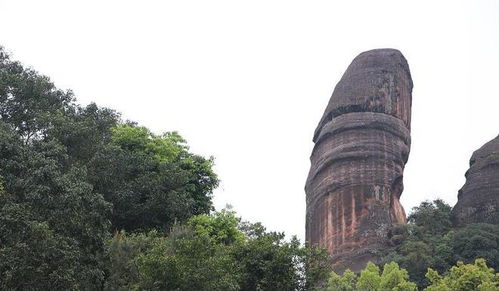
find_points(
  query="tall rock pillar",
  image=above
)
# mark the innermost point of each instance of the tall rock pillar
(361, 146)
(478, 200)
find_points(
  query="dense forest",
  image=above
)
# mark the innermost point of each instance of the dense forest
(89, 201)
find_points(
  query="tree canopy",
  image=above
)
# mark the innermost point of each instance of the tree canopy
(89, 201)
(461, 277)
(430, 241)
(212, 252)
(72, 174)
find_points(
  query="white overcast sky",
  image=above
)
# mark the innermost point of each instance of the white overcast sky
(248, 81)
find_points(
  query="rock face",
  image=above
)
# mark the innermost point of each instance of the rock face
(362, 144)
(478, 200)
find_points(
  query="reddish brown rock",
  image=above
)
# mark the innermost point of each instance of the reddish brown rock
(361, 146)
(478, 200)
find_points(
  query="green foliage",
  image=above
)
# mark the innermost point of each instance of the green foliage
(212, 252)
(32, 254)
(122, 250)
(429, 241)
(392, 278)
(83, 131)
(50, 198)
(476, 241)
(70, 174)
(221, 227)
(152, 181)
(140, 140)
(422, 242)
(370, 278)
(345, 282)
(464, 277)
(315, 267)
(52, 224)
(188, 263)
(431, 217)
(28, 101)
(268, 262)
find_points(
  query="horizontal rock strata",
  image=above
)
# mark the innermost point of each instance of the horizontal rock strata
(478, 199)
(361, 146)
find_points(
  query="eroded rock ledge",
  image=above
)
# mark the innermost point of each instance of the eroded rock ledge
(362, 143)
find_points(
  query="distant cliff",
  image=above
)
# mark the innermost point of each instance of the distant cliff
(362, 143)
(478, 199)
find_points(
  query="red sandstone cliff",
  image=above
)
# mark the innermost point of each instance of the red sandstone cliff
(362, 144)
(478, 200)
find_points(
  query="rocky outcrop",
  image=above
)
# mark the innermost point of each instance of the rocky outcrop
(361, 146)
(478, 200)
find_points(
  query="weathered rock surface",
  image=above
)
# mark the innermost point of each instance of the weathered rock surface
(478, 199)
(362, 144)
